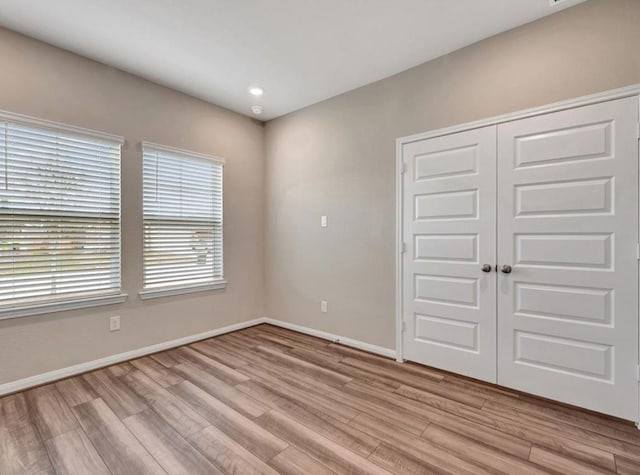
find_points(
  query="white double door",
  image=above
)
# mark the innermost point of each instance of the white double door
(521, 264)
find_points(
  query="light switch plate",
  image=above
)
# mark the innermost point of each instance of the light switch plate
(114, 324)
(324, 306)
(324, 222)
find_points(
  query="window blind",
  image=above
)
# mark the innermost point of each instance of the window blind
(182, 203)
(59, 215)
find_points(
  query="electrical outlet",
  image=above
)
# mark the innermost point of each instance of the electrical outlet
(324, 306)
(324, 222)
(114, 324)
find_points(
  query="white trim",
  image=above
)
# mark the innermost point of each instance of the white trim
(25, 119)
(179, 290)
(400, 170)
(154, 147)
(400, 142)
(360, 345)
(69, 371)
(60, 306)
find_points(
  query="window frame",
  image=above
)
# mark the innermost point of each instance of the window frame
(180, 289)
(45, 305)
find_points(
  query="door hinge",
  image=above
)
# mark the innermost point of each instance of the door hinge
(638, 250)
(404, 326)
(403, 168)
(403, 248)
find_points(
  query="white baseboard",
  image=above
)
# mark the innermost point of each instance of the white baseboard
(360, 345)
(69, 371)
(51, 376)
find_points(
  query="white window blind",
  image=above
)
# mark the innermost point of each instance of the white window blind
(59, 215)
(182, 201)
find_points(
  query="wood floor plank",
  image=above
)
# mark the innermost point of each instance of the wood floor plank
(593, 417)
(561, 464)
(323, 394)
(409, 379)
(165, 377)
(516, 446)
(296, 336)
(282, 385)
(76, 391)
(433, 413)
(626, 466)
(230, 346)
(165, 359)
(21, 448)
(243, 430)
(174, 454)
(120, 369)
(394, 370)
(623, 431)
(72, 453)
(481, 389)
(238, 339)
(488, 436)
(353, 372)
(578, 434)
(516, 428)
(277, 343)
(229, 455)
(399, 462)
(292, 461)
(477, 453)
(291, 362)
(231, 396)
(287, 342)
(327, 426)
(221, 371)
(120, 398)
(173, 410)
(261, 393)
(331, 454)
(120, 450)
(390, 403)
(411, 447)
(211, 349)
(50, 412)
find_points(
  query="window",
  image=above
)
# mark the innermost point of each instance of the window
(59, 217)
(182, 202)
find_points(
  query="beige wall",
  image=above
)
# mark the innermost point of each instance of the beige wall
(46, 82)
(337, 157)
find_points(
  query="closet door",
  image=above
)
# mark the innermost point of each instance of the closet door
(568, 229)
(449, 301)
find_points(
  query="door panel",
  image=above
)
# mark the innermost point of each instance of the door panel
(568, 221)
(449, 231)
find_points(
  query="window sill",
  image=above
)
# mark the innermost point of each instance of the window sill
(169, 291)
(60, 305)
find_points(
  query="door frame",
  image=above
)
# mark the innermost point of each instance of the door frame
(630, 91)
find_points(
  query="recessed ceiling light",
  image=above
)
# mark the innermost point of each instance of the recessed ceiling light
(257, 110)
(256, 91)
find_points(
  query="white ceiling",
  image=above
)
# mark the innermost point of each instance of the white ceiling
(299, 51)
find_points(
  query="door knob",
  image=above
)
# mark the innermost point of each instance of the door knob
(486, 268)
(506, 269)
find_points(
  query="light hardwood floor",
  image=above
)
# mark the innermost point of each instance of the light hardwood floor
(267, 400)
